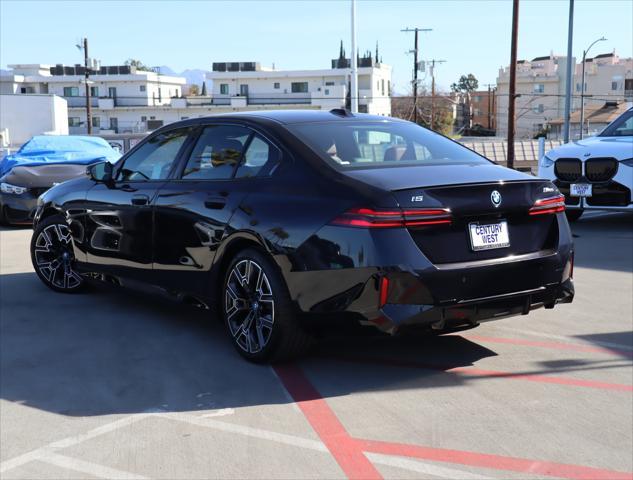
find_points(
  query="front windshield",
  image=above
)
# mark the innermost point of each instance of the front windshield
(620, 127)
(381, 144)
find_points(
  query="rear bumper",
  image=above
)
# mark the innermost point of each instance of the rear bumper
(18, 209)
(439, 298)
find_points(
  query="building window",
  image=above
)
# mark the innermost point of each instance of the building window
(382, 89)
(94, 91)
(143, 88)
(276, 85)
(152, 117)
(27, 90)
(329, 84)
(614, 85)
(71, 91)
(143, 118)
(224, 88)
(476, 99)
(299, 87)
(540, 108)
(74, 121)
(244, 90)
(96, 122)
(327, 91)
(389, 87)
(477, 112)
(539, 88)
(184, 118)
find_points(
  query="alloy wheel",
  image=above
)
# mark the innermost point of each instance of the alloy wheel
(249, 306)
(54, 257)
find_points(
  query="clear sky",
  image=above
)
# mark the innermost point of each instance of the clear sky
(473, 36)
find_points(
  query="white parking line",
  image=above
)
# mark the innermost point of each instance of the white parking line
(619, 346)
(49, 453)
(317, 445)
(421, 467)
(89, 468)
(42, 452)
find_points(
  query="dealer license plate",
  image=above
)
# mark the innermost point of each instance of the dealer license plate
(489, 236)
(580, 190)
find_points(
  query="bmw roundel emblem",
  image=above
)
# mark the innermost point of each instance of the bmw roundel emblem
(495, 198)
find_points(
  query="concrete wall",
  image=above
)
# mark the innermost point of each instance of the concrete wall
(27, 115)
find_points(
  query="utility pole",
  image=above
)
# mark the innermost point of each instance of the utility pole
(415, 68)
(86, 80)
(433, 62)
(354, 72)
(570, 36)
(513, 81)
(490, 103)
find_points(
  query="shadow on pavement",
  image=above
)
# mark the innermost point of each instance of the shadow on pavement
(108, 352)
(111, 352)
(603, 241)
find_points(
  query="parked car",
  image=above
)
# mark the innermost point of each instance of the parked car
(44, 161)
(595, 173)
(293, 220)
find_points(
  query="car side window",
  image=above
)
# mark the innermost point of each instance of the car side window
(153, 160)
(217, 152)
(258, 154)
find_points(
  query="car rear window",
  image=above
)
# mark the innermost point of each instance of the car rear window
(381, 144)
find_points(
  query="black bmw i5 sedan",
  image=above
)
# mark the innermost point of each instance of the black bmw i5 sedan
(286, 221)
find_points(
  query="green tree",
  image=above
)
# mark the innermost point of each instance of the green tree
(466, 83)
(132, 62)
(204, 89)
(194, 90)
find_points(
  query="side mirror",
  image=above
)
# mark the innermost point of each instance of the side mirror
(100, 172)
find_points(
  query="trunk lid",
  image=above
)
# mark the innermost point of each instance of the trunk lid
(473, 204)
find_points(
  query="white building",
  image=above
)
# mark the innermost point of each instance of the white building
(248, 85)
(126, 100)
(122, 97)
(47, 114)
(541, 85)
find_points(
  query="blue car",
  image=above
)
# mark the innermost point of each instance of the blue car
(42, 162)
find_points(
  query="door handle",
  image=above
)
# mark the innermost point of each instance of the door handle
(215, 203)
(140, 199)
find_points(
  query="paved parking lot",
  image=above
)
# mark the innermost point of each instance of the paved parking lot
(112, 384)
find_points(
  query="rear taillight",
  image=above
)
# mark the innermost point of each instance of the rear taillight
(548, 205)
(392, 218)
(383, 291)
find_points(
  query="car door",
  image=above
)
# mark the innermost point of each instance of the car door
(193, 212)
(118, 227)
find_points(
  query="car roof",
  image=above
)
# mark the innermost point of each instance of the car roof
(301, 116)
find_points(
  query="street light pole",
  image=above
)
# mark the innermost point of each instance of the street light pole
(582, 86)
(570, 36)
(86, 80)
(354, 72)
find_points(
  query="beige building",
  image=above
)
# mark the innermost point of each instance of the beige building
(541, 85)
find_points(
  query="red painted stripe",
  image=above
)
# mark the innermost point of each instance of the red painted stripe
(497, 462)
(552, 345)
(573, 382)
(478, 372)
(345, 449)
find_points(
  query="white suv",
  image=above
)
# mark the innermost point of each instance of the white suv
(595, 173)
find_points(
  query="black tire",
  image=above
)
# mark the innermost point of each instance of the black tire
(573, 215)
(257, 310)
(52, 256)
